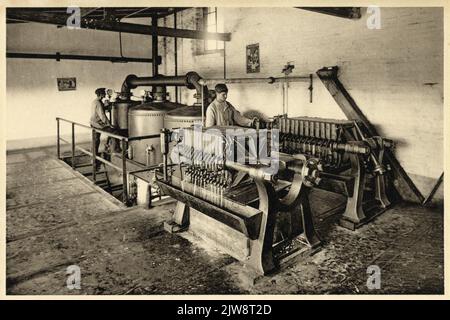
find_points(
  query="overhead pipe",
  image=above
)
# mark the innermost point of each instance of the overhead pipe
(269, 80)
(58, 57)
(124, 27)
(191, 80)
(259, 80)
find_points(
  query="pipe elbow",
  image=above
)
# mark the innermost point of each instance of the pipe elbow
(127, 84)
(194, 81)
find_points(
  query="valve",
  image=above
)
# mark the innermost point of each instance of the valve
(311, 172)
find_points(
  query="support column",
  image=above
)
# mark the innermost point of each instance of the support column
(154, 48)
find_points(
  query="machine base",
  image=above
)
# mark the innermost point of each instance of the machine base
(371, 213)
(172, 227)
(289, 253)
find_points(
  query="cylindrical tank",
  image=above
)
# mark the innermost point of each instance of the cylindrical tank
(147, 119)
(119, 113)
(183, 117)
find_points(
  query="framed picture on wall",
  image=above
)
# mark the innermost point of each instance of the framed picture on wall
(253, 62)
(66, 84)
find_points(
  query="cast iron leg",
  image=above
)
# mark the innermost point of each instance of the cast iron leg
(380, 189)
(180, 219)
(354, 213)
(309, 232)
(261, 255)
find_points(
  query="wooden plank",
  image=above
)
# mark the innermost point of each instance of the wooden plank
(435, 188)
(245, 223)
(403, 184)
(349, 13)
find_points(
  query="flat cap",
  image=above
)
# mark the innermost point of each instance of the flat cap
(221, 87)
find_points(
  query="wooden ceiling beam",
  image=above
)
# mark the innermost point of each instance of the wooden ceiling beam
(342, 12)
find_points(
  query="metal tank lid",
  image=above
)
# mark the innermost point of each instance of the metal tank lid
(150, 107)
(186, 112)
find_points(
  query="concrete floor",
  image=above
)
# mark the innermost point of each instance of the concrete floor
(56, 219)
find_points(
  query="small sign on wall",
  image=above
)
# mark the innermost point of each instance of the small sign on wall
(253, 62)
(66, 84)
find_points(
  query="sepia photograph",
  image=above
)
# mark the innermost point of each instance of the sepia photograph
(242, 149)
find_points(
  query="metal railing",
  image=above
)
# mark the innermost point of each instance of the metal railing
(123, 140)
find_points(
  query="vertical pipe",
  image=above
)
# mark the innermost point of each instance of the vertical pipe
(165, 167)
(164, 149)
(124, 173)
(203, 106)
(154, 48)
(73, 145)
(94, 156)
(224, 61)
(175, 53)
(287, 97)
(58, 147)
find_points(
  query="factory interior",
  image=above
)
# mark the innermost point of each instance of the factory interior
(328, 179)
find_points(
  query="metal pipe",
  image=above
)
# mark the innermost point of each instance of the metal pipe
(107, 133)
(61, 20)
(175, 53)
(108, 163)
(286, 84)
(164, 143)
(191, 80)
(73, 146)
(203, 110)
(154, 46)
(94, 156)
(97, 157)
(58, 147)
(224, 61)
(152, 167)
(57, 56)
(64, 140)
(84, 151)
(269, 80)
(124, 173)
(257, 173)
(150, 136)
(159, 80)
(79, 124)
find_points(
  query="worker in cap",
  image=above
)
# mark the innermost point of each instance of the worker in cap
(99, 120)
(221, 113)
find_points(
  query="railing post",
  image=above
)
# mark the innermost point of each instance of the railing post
(58, 148)
(73, 146)
(124, 173)
(94, 156)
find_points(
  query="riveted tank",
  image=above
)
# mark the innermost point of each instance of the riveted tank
(147, 119)
(183, 117)
(119, 113)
